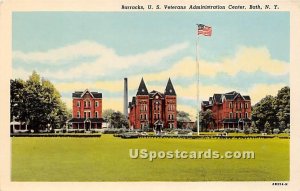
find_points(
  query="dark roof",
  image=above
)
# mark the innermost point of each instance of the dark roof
(247, 97)
(233, 92)
(218, 98)
(205, 103)
(170, 89)
(142, 88)
(82, 120)
(77, 94)
(133, 100)
(97, 94)
(154, 92)
(229, 96)
(132, 103)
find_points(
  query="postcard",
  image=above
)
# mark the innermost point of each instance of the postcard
(149, 95)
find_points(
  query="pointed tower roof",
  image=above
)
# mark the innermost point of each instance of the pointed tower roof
(170, 89)
(142, 88)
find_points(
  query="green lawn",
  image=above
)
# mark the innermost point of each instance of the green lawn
(107, 159)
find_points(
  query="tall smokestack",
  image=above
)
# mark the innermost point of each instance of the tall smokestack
(125, 97)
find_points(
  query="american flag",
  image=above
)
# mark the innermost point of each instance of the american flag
(204, 30)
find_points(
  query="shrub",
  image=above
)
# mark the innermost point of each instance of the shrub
(287, 130)
(276, 131)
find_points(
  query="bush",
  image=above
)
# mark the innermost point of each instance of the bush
(276, 131)
(287, 131)
(114, 130)
(247, 131)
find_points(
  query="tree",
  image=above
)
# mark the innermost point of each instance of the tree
(107, 115)
(282, 106)
(274, 110)
(267, 127)
(119, 120)
(17, 100)
(37, 102)
(182, 117)
(264, 112)
(205, 119)
(115, 118)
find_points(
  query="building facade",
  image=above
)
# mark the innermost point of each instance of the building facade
(230, 110)
(154, 110)
(87, 111)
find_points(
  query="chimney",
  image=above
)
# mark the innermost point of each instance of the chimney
(125, 97)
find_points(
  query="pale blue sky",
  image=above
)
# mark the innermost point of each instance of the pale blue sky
(134, 34)
(130, 33)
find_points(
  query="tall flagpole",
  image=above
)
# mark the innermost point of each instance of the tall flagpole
(206, 31)
(197, 62)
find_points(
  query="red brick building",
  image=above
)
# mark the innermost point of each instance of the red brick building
(153, 109)
(230, 110)
(87, 111)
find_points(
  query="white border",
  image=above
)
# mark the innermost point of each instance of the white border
(6, 9)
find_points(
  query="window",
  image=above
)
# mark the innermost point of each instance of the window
(78, 114)
(87, 114)
(246, 105)
(230, 105)
(169, 116)
(141, 116)
(241, 105)
(236, 115)
(96, 114)
(96, 104)
(172, 116)
(145, 116)
(158, 116)
(87, 103)
(246, 115)
(78, 103)
(143, 107)
(231, 115)
(154, 115)
(240, 115)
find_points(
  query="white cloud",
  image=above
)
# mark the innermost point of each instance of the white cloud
(70, 52)
(246, 59)
(107, 60)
